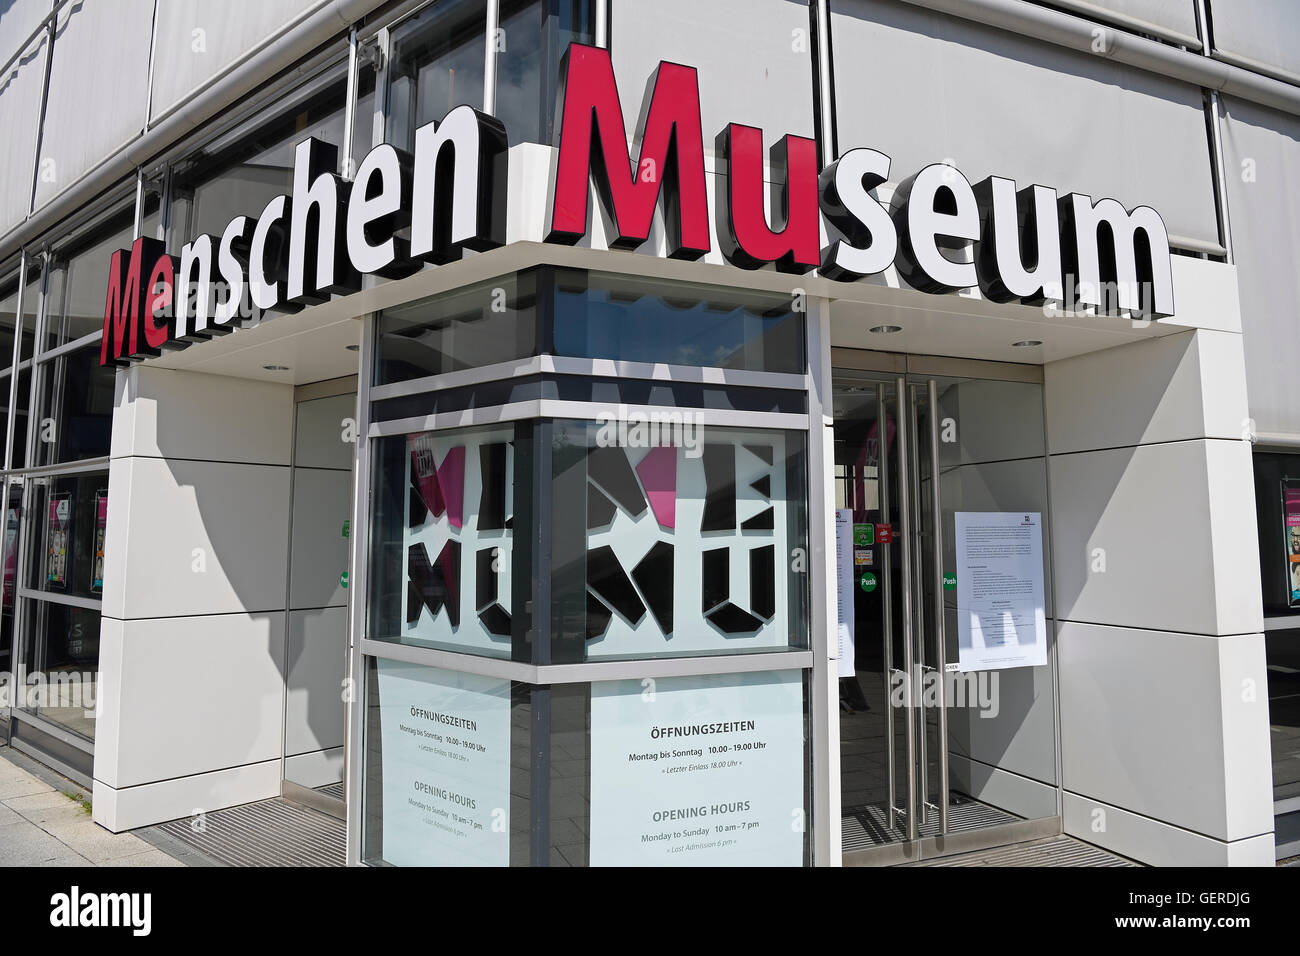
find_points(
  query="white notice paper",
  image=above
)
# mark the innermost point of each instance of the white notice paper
(844, 589)
(1001, 620)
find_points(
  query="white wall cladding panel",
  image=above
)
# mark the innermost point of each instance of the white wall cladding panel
(925, 88)
(1266, 31)
(197, 39)
(18, 18)
(20, 103)
(99, 81)
(1261, 153)
(1174, 18)
(754, 59)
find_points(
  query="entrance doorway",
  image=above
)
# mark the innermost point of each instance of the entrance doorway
(948, 733)
(317, 597)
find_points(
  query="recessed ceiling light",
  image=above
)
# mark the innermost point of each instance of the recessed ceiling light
(354, 348)
(887, 329)
(276, 368)
(1026, 344)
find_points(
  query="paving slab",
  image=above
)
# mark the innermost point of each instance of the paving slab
(41, 825)
(32, 846)
(94, 842)
(150, 857)
(21, 787)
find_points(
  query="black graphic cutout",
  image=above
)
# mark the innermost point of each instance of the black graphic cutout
(654, 576)
(733, 620)
(496, 620)
(492, 502)
(598, 617)
(762, 581)
(600, 510)
(609, 468)
(715, 584)
(485, 579)
(433, 586)
(720, 488)
(609, 582)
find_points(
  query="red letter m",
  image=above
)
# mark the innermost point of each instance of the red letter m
(126, 332)
(672, 156)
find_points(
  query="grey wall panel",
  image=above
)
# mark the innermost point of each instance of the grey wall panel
(924, 87)
(1173, 19)
(20, 103)
(99, 80)
(197, 39)
(18, 18)
(754, 59)
(1261, 154)
(321, 432)
(315, 667)
(1266, 31)
(319, 553)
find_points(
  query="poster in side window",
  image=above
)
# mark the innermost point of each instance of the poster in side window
(56, 536)
(1291, 515)
(101, 523)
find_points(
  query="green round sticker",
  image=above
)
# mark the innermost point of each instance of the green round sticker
(868, 581)
(343, 579)
(949, 581)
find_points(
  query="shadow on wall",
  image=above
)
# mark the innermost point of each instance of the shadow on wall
(238, 542)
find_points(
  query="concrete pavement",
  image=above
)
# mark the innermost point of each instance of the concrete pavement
(46, 825)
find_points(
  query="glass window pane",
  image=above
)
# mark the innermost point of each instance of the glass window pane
(469, 328)
(707, 770)
(31, 304)
(76, 407)
(61, 665)
(75, 295)
(447, 766)
(363, 128)
(534, 35)
(67, 521)
(8, 321)
(13, 503)
(437, 65)
(594, 316)
(599, 315)
(677, 539)
(240, 173)
(444, 570)
(21, 402)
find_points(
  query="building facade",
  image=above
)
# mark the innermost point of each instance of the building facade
(615, 432)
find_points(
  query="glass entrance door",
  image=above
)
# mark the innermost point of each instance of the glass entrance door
(947, 728)
(8, 660)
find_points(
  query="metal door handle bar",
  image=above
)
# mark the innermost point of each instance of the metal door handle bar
(905, 565)
(918, 584)
(882, 487)
(940, 643)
